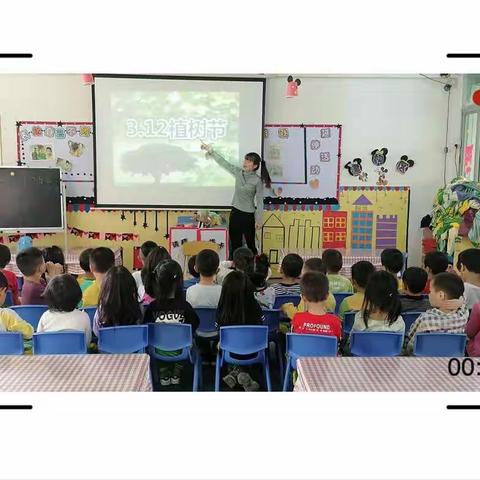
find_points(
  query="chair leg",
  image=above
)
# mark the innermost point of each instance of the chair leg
(195, 375)
(280, 357)
(286, 380)
(267, 373)
(217, 373)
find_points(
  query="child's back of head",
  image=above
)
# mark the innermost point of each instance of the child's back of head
(469, 260)
(54, 254)
(29, 261)
(84, 260)
(435, 262)
(333, 260)
(154, 258)
(291, 266)
(243, 259)
(445, 286)
(392, 260)
(118, 303)
(361, 273)
(314, 265)
(63, 293)
(381, 297)
(168, 281)
(5, 256)
(207, 263)
(314, 287)
(146, 248)
(101, 260)
(260, 271)
(414, 280)
(191, 267)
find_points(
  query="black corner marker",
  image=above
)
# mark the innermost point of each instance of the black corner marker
(463, 407)
(463, 55)
(16, 407)
(16, 55)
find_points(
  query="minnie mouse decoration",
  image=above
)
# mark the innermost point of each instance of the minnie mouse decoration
(355, 169)
(379, 156)
(292, 87)
(404, 164)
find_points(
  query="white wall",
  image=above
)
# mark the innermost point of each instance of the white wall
(404, 114)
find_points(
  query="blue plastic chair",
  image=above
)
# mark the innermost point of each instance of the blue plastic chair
(31, 313)
(348, 322)
(409, 319)
(207, 327)
(123, 339)
(9, 299)
(439, 345)
(281, 299)
(303, 345)
(170, 337)
(271, 318)
(11, 343)
(90, 311)
(376, 344)
(59, 343)
(339, 298)
(243, 340)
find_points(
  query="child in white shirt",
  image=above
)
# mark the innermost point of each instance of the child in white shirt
(206, 293)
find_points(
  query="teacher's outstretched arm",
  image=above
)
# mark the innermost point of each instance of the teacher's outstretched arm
(210, 152)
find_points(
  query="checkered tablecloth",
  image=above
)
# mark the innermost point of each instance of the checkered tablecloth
(386, 374)
(75, 373)
(350, 257)
(71, 261)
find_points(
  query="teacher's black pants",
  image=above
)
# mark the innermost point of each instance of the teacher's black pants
(242, 224)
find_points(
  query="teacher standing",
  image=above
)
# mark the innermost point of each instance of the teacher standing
(244, 217)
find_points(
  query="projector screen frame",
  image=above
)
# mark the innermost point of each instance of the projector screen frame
(106, 206)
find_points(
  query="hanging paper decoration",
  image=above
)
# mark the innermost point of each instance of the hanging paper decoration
(156, 221)
(122, 216)
(356, 170)
(379, 157)
(87, 79)
(115, 237)
(134, 218)
(382, 179)
(404, 164)
(476, 97)
(145, 224)
(292, 87)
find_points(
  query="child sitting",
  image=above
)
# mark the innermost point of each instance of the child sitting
(290, 269)
(118, 303)
(381, 306)
(170, 306)
(154, 258)
(62, 295)
(205, 293)
(101, 260)
(414, 282)
(333, 261)
(242, 261)
(30, 262)
(468, 265)
(9, 319)
(5, 257)
(54, 255)
(440, 318)
(87, 278)
(145, 249)
(316, 320)
(392, 262)
(361, 272)
(238, 306)
(264, 294)
(311, 265)
(194, 274)
(435, 262)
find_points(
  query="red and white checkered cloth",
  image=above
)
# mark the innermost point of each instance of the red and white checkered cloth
(75, 373)
(350, 257)
(71, 261)
(385, 374)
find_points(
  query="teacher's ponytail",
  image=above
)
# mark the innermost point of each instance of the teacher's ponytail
(258, 162)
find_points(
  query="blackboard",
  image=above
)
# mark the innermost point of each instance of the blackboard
(30, 199)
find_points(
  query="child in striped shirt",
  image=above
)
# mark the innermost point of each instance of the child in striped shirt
(291, 270)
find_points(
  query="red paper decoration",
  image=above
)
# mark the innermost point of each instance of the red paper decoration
(87, 79)
(476, 97)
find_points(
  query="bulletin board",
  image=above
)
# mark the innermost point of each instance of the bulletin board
(304, 163)
(66, 145)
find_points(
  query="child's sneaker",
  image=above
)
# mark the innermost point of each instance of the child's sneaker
(231, 378)
(175, 380)
(165, 382)
(245, 380)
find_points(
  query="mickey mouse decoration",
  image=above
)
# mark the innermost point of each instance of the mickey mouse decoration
(292, 86)
(355, 169)
(379, 156)
(404, 164)
(382, 179)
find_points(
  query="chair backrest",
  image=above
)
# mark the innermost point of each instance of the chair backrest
(348, 322)
(409, 319)
(208, 318)
(59, 343)
(11, 343)
(271, 318)
(303, 345)
(281, 299)
(244, 339)
(9, 299)
(439, 345)
(376, 344)
(169, 336)
(31, 313)
(90, 311)
(339, 298)
(123, 339)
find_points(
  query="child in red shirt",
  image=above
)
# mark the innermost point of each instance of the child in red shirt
(315, 320)
(5, 257)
